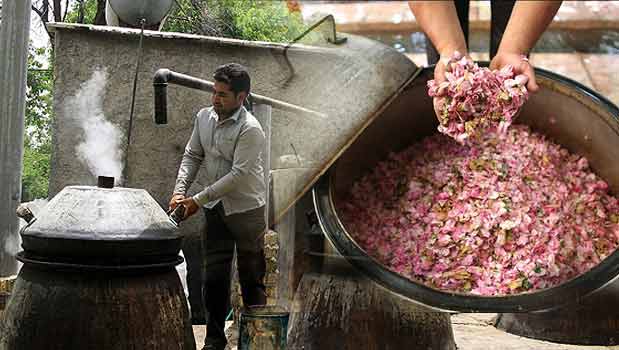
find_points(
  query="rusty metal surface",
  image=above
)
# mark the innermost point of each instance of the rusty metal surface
(7, 283)
(263, 327)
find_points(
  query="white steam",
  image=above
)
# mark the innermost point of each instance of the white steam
(12, 243)
(100, 149)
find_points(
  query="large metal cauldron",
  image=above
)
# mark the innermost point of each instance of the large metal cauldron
(98, 274)
(582, 121)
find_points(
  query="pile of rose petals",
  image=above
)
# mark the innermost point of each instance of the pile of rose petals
(477, 100)
(512, 213)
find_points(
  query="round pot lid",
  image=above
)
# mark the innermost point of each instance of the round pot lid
(103, 214)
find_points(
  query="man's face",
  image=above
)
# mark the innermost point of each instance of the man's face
(224, 101)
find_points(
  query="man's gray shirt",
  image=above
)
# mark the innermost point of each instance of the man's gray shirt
(232, 152)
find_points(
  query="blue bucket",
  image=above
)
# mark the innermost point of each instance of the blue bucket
(263, 328)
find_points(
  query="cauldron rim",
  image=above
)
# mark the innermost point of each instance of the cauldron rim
(132, 267)
(546, 299)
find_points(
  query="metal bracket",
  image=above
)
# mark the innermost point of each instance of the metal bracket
(333, 40)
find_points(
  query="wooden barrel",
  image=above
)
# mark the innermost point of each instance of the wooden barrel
(65, 310)
(350, 312)
(593, 320)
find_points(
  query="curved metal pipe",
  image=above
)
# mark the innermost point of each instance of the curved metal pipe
(164, 76)
(160, 84)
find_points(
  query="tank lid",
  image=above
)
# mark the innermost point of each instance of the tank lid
(103, 214)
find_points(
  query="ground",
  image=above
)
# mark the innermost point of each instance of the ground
(471, 332)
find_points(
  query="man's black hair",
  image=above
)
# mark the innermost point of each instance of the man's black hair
(234, 75)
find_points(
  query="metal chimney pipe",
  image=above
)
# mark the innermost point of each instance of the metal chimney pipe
(164, 76)
(160, 84)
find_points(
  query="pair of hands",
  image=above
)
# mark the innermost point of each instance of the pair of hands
(191, 207)
(502, 59)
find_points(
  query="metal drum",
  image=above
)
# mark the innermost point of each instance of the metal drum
(98, 274)
(582, 121)
(263, 328)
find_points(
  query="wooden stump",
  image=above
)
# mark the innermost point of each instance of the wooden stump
(98, 311)
(349, 312)
(592, 321)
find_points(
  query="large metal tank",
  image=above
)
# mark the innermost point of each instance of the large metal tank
(98, 273)
(582, 121)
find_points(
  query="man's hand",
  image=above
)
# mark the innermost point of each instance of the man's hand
(191, 207)
(521, 66)
(175, 201)
(443, 66)
(526, 24)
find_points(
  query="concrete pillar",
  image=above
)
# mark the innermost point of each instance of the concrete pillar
(14, 32)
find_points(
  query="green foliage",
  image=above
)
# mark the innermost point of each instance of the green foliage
(262, 20)
(39, 111)
(35, 178)
(90, 11)
(39, 98)
(38, 119)
(268, 21)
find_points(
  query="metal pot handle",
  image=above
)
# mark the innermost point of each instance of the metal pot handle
(333, 40)
(26, 214)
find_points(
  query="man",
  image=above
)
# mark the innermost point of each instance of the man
(229, 140)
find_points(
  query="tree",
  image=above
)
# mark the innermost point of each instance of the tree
(87, 11)
(38, 120)
(77, 11)
(39, 94)
(262, 20)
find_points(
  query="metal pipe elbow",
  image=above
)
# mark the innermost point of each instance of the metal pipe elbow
(160, 85)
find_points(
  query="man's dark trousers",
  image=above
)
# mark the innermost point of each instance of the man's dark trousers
(501, 10)
(221, 234)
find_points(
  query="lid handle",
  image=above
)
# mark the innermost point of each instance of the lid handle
(105, 182)
(25, 213)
